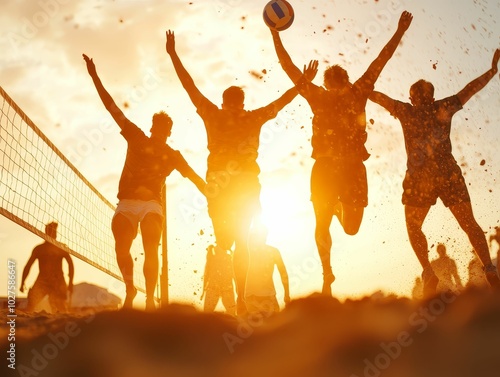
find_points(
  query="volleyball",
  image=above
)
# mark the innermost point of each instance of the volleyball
(278, 14)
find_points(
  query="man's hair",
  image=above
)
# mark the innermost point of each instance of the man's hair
(335, 74)
(163, 120)
(233, 96)
(49, 226)
(422, 89)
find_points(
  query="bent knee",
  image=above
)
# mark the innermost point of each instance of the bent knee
(351, 230)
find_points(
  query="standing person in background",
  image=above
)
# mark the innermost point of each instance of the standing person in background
(218, 280)
(232, 171)
(495, 237)
(50, 281)
(432, 171)
(148, 162)
(339, 184)
(260, 294)
(475, 272)
(446, 271)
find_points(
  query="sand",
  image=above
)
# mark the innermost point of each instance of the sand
(446, 335)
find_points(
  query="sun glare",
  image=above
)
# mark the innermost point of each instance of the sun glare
(282, 207)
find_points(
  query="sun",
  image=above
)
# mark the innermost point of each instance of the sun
(283, 209)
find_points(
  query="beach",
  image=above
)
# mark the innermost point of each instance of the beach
(378, 335)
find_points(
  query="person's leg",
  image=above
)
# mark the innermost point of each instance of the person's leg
(353, 187)
(35, 296)
(241, 257)
(211, 300)
(465, 217)
(350, 218)
(247, 214)
(57, 303)
(228, 301)
(323, 238)
(325, 185)
(124, 234)
(151, 229)
(415, 217)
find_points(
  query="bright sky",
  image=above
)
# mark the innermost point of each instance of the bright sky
(223, 43)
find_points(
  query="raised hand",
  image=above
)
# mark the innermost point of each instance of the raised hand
(494, 63)
(405, 21)
(311, 70)
(90, 65)
(170, 46)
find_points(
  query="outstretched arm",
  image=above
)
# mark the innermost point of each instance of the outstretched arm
(286, 62)
(381, 60)
(308, 75)
(476, 85)
(197, 180)
(187, 171)
(106, 99)
(282, 101)
(186, 80)
(383, 100)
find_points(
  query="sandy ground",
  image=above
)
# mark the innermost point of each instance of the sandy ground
(447, 335)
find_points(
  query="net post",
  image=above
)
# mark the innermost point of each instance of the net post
(164, 255)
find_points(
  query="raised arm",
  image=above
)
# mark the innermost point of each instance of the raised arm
(106, 99)
(282, 101)
(476, 85)
(373, 71)
(187, 82)
(286, 62)
(383, 100)
(308, 74)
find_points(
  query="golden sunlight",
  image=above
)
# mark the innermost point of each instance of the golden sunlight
(282, 210)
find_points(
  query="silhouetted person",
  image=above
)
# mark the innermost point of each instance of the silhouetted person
(233, 187)
(432, 171)
(50, 281)
(445, 269)
(496, 238)
(416, 292)
(148, 162)
(475, 272)
(338, 178)
(218, 280)
(260, 293)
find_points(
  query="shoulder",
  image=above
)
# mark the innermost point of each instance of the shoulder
(173, 153)
(400, 109)
(131, 131)
(451, 102)
(307, 88)
(206, 108)
(37, 249)
(175, 156)
(273, 251)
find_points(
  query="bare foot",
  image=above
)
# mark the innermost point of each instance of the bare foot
(328, 279)
(150, 305)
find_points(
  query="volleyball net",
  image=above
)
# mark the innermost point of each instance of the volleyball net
(39, 185)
